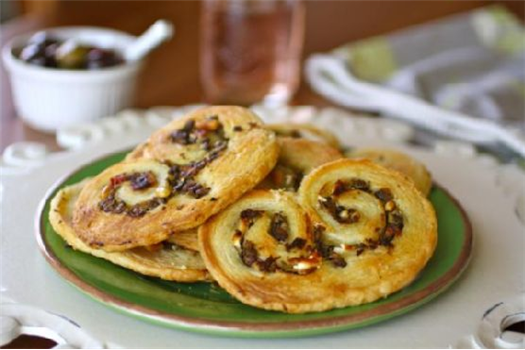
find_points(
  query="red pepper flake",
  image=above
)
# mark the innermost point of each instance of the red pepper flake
(118, 179)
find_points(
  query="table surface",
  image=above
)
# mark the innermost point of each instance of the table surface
(171, 76)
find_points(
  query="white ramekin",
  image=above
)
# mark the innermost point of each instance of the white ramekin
(48, 99)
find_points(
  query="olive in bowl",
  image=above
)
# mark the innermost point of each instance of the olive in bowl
(70, 75)
(45, 50)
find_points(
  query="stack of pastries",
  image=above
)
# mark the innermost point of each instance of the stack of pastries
(275, 214)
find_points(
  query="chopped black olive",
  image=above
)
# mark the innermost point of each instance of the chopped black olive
(338, 260)
(339, 187)
(279, 227)
(297, 243)
(340, 213)
(396, 219)
(360, 184)
(267, 265)
(384, 194)
(249, 254)
(317, 237)
(142, 181)
(250, 214)
(137, 211)
(180, 137)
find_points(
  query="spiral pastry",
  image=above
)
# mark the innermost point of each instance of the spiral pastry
(165, 260)
(305, 131)
(261, 249)
(227, 133)
(297, 158)
(186, 239)
(398, 161)
(185, 173)
(358, 233)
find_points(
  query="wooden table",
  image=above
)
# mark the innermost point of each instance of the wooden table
(171, 76)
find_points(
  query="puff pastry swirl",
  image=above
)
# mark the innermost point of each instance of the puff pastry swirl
(297, 158)
(305, 131)
(166, 261)
(186, 172)
(398, 161)
(358, 233)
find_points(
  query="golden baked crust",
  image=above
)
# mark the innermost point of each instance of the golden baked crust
(186, 239)
(186, 172)
(168, 262)
(297, 158)
(243, 129)
(305, 131)
(399, 161)
(253, 256)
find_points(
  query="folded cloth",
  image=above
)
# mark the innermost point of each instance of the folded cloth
(470, 65)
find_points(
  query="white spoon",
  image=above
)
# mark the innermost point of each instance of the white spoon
(158, 33)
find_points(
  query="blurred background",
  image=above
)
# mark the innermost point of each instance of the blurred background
(172, 74)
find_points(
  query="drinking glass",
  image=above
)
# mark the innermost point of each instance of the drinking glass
(251, 50)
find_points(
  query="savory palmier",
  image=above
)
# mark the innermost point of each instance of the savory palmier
(187, 171)
(297, 157)
(358, 233)
(229, 133)
(261, 249)
(186, 239)
(398, 161)
(165, 260)
(305, 131)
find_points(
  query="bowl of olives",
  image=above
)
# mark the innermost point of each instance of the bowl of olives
(70, 75)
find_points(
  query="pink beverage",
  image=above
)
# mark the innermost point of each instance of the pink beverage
(251, 50)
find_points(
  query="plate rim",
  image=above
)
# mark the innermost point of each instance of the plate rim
(239, 328)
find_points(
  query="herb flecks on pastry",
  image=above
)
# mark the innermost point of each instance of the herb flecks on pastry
(398, 161)
(163, 260)
(358, 230)
(297, 158)
(183, 174)
(305, 131)
(265, 242)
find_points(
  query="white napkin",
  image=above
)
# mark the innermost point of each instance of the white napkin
(470, 65)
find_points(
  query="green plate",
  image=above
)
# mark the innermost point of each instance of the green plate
(206, 308)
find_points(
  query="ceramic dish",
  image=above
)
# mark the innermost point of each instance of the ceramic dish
(49, 99)
(204, 307)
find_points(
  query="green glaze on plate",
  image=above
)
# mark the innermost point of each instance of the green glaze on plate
(205, 307)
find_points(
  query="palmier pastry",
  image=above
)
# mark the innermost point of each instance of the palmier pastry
(364, 233)
(186, 239)
(297, 158)
(188, 171)
(229, 132)
(305, 131)
(165, 260)
(398, 161)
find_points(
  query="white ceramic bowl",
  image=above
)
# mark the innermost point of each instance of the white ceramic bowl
(48, 99)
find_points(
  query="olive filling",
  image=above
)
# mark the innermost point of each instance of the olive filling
(279, 230)
(340, 213)
(393, 216)
(139, 182)
(209, 133)
(326, 251)
(181, 179)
